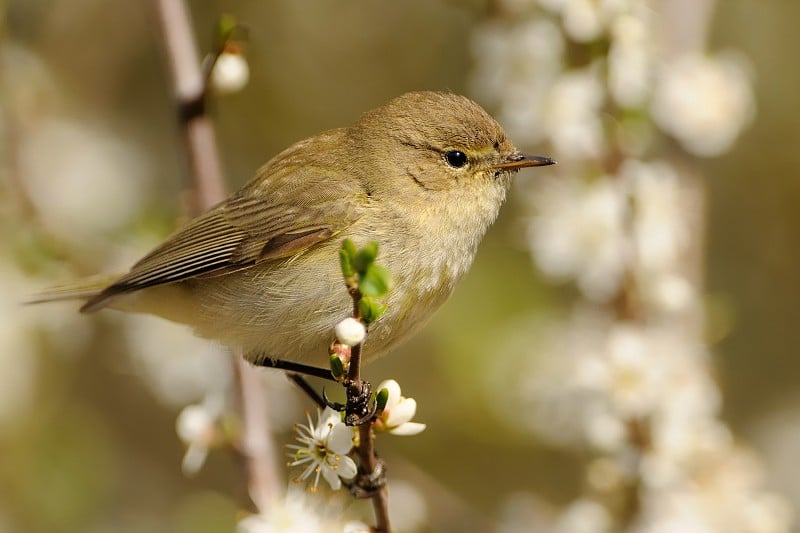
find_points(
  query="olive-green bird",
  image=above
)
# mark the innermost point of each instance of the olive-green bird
(424, 175)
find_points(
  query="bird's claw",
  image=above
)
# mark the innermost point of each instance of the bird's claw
(336, 406)
(359, 409)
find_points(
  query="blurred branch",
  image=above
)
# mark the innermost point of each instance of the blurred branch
(190, 88)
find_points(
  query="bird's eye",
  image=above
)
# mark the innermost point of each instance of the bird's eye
(455, 158)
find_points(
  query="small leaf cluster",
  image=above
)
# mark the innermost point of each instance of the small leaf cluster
(367, 279)
(229, 34)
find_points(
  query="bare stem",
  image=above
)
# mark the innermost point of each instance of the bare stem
(370, 467)
(190, 88)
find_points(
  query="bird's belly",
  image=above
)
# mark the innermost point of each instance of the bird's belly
(288, 310)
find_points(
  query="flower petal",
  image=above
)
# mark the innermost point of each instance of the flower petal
(347, 468)
(394, 392)
(340, 440)
(327, 420)
(401, 413)
(332, 478)
(193, 459)
(409, 428)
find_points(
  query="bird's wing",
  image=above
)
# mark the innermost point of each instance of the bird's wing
(279, 214)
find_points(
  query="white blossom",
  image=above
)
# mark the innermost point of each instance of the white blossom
(355, 526)
(579, 231)
(582, 19)
(231, 73)
(585, 516)
(323, 450)
(296, 512)
(626, 376)
(197, 426)
(396, 416)
(660, 230)
(630, 61)
(178, 366)
(703, 101)
(586, 20)
(572, 117)
(350, 331)
(671, 293)
(408, 507)
(721, 489)
(515, 68)
(97, 186)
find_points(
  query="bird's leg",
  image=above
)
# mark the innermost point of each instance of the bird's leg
(298, 368)
(294, 371)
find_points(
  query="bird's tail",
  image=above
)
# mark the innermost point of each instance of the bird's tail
(83, 289)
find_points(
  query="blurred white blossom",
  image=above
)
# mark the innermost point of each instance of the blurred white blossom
(516, 69)
(585, 516)
(298, 513)
(572, 117)
(18, 357)
(578, 230)
(522, 512)
(627, 373)
(778, 437)
(198, 428)
(231, 73)
(660, 231)
(323, 450)
(721, 489)
(703, 101)
(592, 375)
(408, 507)
(631, 60)
(179, 367)
(97, 184)
(356, 526)
(23, 330)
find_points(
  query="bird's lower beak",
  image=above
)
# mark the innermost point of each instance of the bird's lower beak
(518, 161)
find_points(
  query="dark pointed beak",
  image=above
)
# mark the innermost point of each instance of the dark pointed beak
(518, 161)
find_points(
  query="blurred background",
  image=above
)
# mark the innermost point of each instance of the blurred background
(92, 175)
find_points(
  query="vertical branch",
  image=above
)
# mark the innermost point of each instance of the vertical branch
(369, 467)
(370, 470)
(190, 93)
(371, 477)
(190, 89)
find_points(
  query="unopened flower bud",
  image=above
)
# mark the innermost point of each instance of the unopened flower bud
(231, 73)
(350, 331)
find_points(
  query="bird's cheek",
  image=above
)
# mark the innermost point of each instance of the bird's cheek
(432, 179)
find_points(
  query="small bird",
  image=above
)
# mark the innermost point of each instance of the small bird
(424, 176)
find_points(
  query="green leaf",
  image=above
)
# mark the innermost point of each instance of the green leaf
(370, 309)
(337, 369)
(366, 256)
(375, 281)
(226, 25)
(350, 249)
(380, 400)
(346, 264)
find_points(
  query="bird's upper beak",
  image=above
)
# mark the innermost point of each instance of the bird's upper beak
(517, 161)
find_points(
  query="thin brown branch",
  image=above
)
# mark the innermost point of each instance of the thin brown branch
(371, 471)
(371, 477)
(190, 88)
(190, 93)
